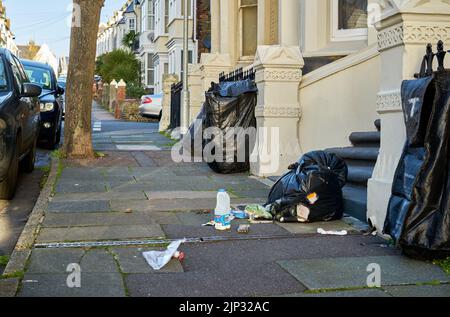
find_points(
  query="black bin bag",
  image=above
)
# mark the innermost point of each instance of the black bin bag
(418, 216)
(315, 182)
(229, 128)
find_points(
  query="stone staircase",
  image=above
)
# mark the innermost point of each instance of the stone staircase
(361, 159)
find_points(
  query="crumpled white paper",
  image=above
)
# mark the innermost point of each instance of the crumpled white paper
(159, 259)
(332, 233)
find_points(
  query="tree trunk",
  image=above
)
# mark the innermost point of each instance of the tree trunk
(80, 79)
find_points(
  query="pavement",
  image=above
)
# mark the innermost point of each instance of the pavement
(106, 212)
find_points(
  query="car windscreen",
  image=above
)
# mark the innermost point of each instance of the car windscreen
(39, 76)
(62, 84)
(3, 77)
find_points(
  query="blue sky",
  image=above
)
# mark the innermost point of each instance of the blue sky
(45, 21)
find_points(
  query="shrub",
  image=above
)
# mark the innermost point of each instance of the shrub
(119, 64)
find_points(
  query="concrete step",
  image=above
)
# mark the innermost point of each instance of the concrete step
(355, 201)
(359, 174)
(356, 153)
(365, 139)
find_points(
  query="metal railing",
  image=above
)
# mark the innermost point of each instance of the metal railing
(237, 75)
(175, 105)
(426, 68)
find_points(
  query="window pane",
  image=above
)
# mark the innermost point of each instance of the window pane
(352, 14)
(249, 30)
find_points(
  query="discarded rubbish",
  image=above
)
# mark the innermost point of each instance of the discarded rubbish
(159, 259)
(332, 233)
(230, 107)
(223, 211)
(210, 224)
(179, 256)
(243, 229)
(238, 214)
(311, 191)
(257, 212)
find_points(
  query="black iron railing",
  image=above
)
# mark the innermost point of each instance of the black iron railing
(237, 75)
(175, 105)
(426, 68)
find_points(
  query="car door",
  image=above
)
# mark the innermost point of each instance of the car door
(25, 108)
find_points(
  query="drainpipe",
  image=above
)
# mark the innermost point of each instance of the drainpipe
(185, 108)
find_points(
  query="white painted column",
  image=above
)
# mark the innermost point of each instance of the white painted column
(289, 22)
(402, 37)
(215, 26)
(278, 76)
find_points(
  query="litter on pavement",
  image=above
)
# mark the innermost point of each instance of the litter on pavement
(159, 259)
(332, 233)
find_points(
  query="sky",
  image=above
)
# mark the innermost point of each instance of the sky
(46, 21)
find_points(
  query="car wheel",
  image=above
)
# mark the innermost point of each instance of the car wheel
(29, 160)
(8, 186)
(160, 116)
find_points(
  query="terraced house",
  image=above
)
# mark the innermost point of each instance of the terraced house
(329, 74)
(6, 36)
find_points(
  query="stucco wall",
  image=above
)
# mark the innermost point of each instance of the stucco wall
(338, 104)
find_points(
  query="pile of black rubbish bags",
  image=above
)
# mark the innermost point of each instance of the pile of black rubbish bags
(418, 217)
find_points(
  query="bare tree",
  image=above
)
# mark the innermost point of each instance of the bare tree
(83, 43)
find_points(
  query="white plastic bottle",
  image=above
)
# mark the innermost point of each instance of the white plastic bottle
(223, 211)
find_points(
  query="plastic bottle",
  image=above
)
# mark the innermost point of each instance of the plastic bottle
(223, 211)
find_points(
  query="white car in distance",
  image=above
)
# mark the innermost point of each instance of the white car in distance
(151, 106)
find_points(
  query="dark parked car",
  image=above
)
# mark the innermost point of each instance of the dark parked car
(62, 81)
(51, 101)
(19, 122)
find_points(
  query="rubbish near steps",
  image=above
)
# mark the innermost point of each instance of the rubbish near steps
(159, 259)
(332, 233)
(258, 213)
(244, 229)
(223, 211)
(314, 182)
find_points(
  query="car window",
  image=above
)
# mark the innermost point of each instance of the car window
(39, 76)
(3, 77)
(22, 72)
(17, 75)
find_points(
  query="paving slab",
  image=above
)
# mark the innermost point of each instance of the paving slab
(79, 206)
(419, 290)
(98, 261)
(99, 233)
(338, 273)
(311, 228)
(137, 147)
(8, 287)
(181, 195)
(349, 293)
(172, 205)
(269, 281)
(138, 195)
(183, 231)
(49, 261)
(132, 261)
(80, 187)
(194, 218)
(143, 160)
(109, 219)
(55, 285)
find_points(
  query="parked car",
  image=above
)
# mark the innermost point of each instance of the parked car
(151, 106)
(19, 122)
(62, 81)
(51, 101)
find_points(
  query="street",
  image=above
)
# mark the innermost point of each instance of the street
(105, 213)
